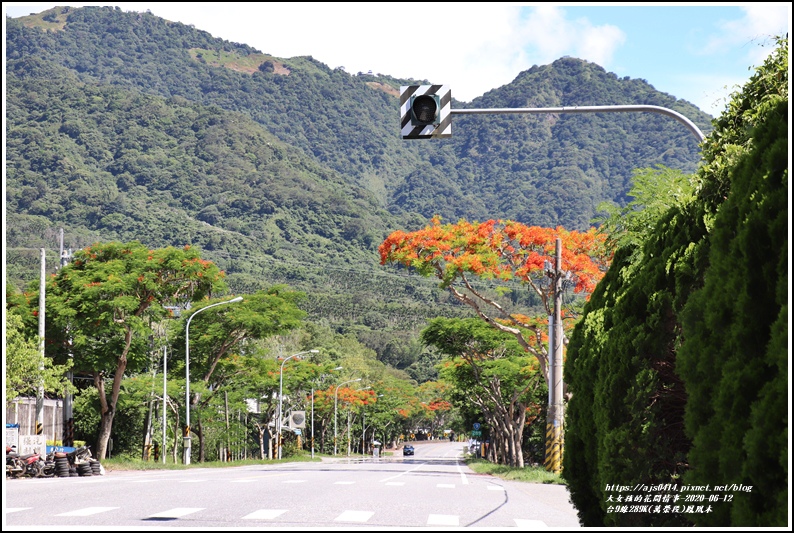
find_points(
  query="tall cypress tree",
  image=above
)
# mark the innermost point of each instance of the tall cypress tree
(734, 358)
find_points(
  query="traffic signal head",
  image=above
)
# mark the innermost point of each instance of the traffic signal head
(425, 111)
(297, 419)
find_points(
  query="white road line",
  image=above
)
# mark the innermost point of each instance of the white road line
(463, 478)
(188, 480)
(442, 520)
(354, 516)
(176, 512)
(445, 486)
(15, 509)
(265, 514)
(246, 480)
(417, 467)
(344, 482)
(396, 483)
(520, 522)
(86, 511)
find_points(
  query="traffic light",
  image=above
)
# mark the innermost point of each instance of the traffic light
(425, 111)
(297, 419)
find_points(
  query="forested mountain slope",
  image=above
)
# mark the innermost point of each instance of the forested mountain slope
(127, 126)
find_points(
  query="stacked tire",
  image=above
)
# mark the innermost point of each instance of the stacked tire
(96, 469)
(84, 469)
(61, 464)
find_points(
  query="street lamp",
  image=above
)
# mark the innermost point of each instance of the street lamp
(348, 421)
(280, 396)
(321, 379)
(364, 427)
(336, 399)
(186, 442)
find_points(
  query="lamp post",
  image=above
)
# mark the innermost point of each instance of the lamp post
(186, 441)
(280, 396)
(336, 400)
(348, 421)
(321, 379)
(364, 428)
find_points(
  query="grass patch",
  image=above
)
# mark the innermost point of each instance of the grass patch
(136, 463)
(528, 474)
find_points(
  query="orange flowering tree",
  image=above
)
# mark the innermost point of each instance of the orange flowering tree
(505, 251)
(351, 400)
(103, 303)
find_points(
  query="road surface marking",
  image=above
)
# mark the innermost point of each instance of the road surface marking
(86, 511)
(442, 520)
(176, 512)
(15, 509)
(520, 522)
(265, 514)
(344, 482)
(417, 467)
(354, 516)
(463, 478)
(445, 486)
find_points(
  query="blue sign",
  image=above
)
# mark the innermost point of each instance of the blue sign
(476, 426)
(65, 449)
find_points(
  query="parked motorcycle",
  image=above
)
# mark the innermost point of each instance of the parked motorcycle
(31, 464)
(14, 465)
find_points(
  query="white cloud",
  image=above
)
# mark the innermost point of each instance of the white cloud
(760, 22)
(552, 35)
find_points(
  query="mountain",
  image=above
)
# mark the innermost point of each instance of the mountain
(126, 126)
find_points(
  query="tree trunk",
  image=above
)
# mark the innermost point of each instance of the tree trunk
(200, 434)
(107, 408)
(175, 447)
(147, 432)
(105, 425)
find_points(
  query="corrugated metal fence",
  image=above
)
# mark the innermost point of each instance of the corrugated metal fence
(22, 411)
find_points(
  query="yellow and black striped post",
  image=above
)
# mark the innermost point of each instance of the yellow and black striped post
(554, 448)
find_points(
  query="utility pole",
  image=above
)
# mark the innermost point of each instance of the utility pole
(68, 414)
(40, 393)
(555, 415)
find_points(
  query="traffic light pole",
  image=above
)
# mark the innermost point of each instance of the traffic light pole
(589, 109)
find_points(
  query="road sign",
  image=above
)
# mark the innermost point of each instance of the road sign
(476, 433)
(476, 425)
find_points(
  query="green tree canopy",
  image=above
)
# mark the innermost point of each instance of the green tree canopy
(26, 368)
(105, 300)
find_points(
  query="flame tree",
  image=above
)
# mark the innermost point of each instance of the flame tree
(504, 251)
(104, 301)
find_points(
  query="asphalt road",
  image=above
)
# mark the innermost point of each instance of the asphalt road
(433, 489)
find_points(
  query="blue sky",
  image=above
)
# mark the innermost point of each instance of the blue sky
(698, 52)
